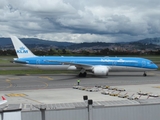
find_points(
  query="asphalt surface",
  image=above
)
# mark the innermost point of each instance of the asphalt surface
(51, 88)
(52, 81)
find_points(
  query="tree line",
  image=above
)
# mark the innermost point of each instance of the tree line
(65, 52)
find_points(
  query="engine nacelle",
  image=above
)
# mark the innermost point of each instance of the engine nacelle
(100, 70)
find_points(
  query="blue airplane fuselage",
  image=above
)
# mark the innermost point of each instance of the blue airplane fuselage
(123, 63)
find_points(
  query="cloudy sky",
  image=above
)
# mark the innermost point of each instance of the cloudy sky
(81, 20)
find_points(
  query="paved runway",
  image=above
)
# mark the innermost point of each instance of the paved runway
(34, 82)
(49, 89)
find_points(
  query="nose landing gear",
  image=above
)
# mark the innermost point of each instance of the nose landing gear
(144, 74)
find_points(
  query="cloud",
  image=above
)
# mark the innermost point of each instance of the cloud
(81, 21)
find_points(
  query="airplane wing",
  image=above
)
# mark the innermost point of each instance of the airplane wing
(78, 65)
(4, 100)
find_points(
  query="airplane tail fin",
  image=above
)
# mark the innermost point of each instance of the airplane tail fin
(21, 50)
(4, 100)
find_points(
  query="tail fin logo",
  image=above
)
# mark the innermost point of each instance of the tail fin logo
(22, 50)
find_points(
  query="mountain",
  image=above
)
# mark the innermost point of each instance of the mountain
(89, 45)
(35, 41)
(155, 41)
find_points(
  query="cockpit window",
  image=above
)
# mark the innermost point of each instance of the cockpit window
(151, 62)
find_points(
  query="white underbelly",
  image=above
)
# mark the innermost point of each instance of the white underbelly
(69, 67)
(53, 67)
(128, 69)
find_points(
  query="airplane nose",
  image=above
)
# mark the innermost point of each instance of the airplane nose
(155, 66)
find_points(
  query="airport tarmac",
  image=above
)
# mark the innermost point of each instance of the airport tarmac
(50, 89)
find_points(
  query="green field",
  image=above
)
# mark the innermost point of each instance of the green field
(5, 62)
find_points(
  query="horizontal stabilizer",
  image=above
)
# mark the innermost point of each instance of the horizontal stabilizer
(18, 61)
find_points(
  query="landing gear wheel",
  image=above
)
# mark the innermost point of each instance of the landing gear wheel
(82, 74)
(107, 74)
(144, 74)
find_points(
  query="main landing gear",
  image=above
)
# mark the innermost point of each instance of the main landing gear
(82, 74)
(144, 74)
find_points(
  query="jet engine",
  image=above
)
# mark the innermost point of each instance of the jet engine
(100, 70)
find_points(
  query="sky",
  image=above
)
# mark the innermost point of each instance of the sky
(80, 20)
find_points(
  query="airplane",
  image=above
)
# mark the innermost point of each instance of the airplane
(3, 100)
(99, 66)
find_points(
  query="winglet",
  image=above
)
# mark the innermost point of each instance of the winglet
(3, 98)
(21, 50)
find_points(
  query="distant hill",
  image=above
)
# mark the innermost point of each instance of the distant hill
(155, 41)
(34, 42)
(7, 41)
(92, 44)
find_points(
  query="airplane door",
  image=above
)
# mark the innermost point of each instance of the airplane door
(72, 61)
(114, 63)
(143, 63)
(38, 62)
